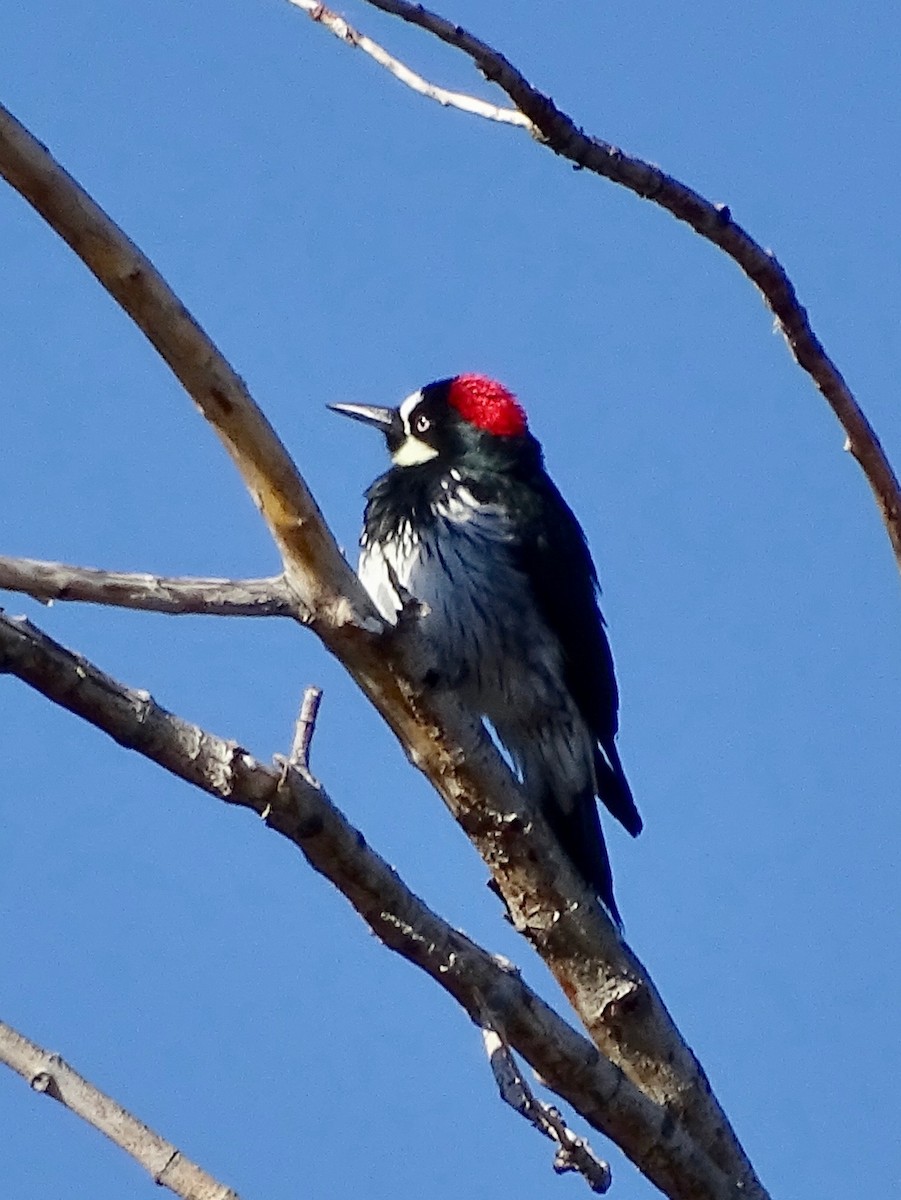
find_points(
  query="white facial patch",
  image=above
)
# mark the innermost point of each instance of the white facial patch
(411, 452)
(407, 407)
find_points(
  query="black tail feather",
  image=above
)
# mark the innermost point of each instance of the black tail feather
(614, 790)
(582, 840)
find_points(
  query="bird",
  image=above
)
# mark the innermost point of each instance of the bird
(468, 522)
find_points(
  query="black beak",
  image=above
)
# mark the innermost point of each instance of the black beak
(386, 419)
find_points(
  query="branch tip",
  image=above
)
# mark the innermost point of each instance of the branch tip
(46, 582)
(299, 758)
(573, 1153)
(447, 99)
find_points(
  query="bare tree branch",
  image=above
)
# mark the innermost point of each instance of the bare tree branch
(50, 581)
(573, 1153)
(48, 1074)
(466, 103)
(489, 988)
(299, 758)
(712, 221)
(318, 572)
(548, 902)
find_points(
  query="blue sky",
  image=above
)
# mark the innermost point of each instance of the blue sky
(343, 239)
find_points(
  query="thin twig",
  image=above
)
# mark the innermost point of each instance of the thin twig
(47, 1074)
(573, 1153)
(304, 729)
(51, 581)
(461, 100)
(301, 811)
(714, 222)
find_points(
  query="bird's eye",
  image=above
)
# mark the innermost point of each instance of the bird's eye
(421, 423)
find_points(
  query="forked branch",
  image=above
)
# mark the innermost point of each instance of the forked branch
(490, 989)
(337, 25)
(319, 575)
(714, 222)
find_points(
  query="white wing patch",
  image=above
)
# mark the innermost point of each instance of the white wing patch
(377, 571)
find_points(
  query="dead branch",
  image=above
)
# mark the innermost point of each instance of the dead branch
(548, 902)
(573, 1153)
(51, 581)
(714, 222)
(468, 104)
(299, 758)
(47, 1074)
(317, 570)
(487, 987)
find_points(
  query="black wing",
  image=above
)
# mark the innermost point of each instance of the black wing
(556, 558)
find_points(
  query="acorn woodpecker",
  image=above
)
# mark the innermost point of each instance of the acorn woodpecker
(468, 522)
